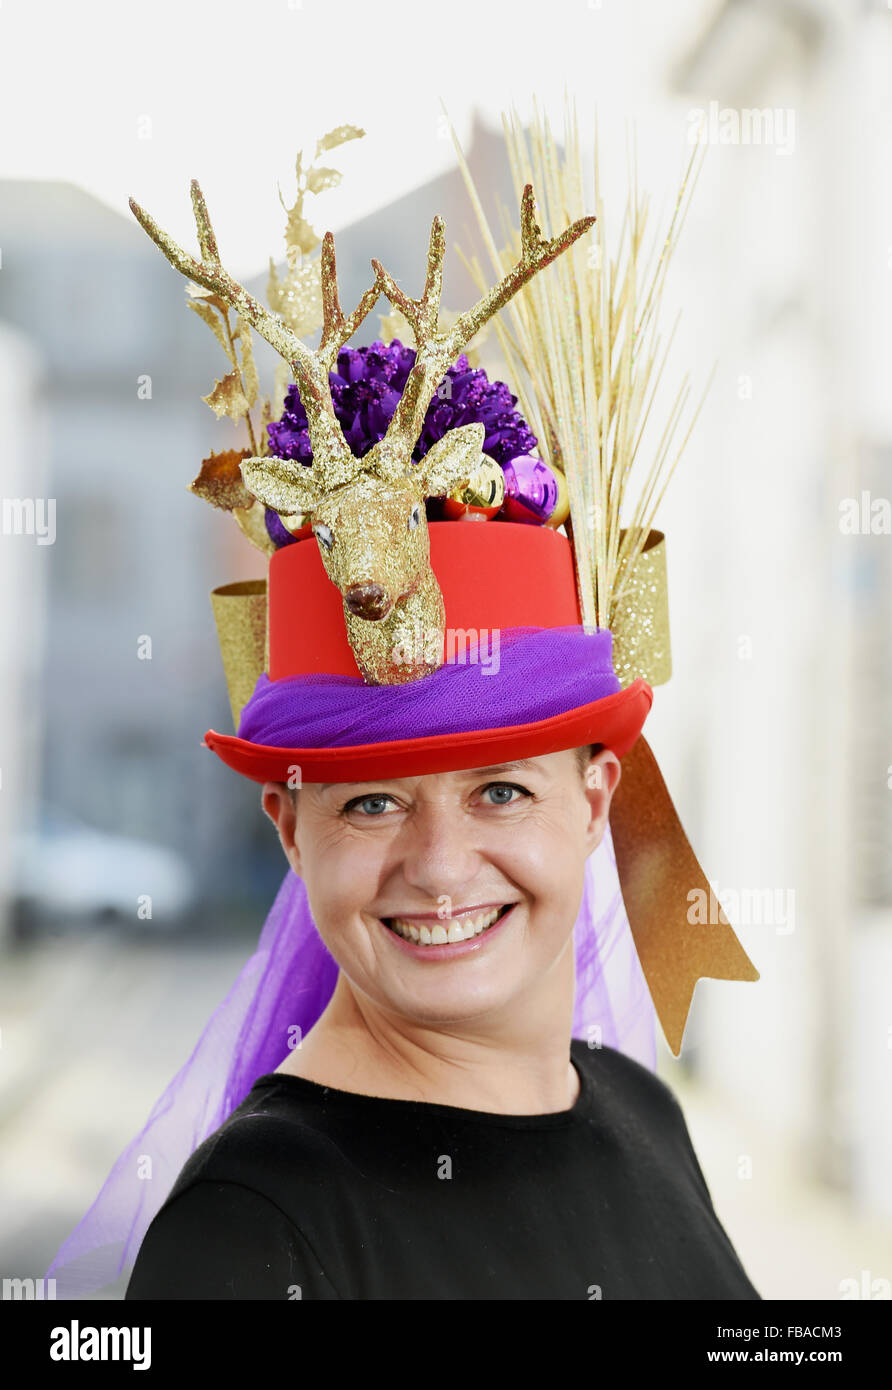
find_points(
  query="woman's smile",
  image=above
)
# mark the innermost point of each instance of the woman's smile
(445, 939)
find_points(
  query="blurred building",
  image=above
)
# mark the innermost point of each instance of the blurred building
(25, 534)
(791, 749)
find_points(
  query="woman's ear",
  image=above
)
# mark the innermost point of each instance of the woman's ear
(278, 805)
(600, 781)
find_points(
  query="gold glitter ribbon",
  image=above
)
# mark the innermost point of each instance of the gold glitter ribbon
(660, 879)
(240, 615)
(660, 876)
(640, 625)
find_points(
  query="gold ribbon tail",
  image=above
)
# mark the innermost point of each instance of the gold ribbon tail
(661, 880)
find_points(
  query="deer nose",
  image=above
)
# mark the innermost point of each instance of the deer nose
(367, 600)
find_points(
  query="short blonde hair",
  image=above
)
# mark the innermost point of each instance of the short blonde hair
(584, 754)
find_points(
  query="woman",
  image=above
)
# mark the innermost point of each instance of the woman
(425, 1083)
(438, 1134)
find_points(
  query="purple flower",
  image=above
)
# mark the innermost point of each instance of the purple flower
(365, 392)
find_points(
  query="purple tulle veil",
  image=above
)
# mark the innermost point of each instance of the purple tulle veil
(276, 999)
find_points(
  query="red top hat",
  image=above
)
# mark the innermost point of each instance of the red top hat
(494, 577)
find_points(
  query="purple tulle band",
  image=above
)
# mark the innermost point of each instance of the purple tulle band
(517, 676)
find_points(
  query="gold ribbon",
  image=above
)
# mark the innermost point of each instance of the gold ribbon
(659, 874)
(640, 627)
(660, 879)
(240, 615)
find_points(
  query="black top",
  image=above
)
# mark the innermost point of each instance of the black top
(310, 1192)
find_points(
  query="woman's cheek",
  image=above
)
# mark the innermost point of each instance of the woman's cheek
(345, 880)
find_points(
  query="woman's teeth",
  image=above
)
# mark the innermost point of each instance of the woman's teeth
(438, 934)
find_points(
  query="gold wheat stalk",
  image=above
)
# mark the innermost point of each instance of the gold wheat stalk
(585, 354)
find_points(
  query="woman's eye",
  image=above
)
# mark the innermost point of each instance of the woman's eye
(375, 797)
(375, 803)
(505, 787)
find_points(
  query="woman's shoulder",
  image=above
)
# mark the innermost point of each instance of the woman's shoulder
(616, 1077)
(232, 1226)
(266, 1135)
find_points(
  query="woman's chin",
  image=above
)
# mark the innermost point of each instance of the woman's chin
(435, 982)
(458, 983)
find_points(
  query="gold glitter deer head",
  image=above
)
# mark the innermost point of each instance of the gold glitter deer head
(368, 514)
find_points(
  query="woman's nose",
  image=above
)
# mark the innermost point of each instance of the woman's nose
(441, 851)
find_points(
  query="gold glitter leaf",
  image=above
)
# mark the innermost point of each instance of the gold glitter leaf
(252, 523)
(266, 415)
(228, 398)
(252, 385)
(281, 381)
(320, 179)
(208, 296)
(212, 319)
(220, 480)
(273, 286)
(298, 232)
(298, 298)
(339, 136)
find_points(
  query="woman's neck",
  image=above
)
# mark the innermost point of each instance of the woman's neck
(514, 1066)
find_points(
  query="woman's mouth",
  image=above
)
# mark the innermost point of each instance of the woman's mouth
(450, 932)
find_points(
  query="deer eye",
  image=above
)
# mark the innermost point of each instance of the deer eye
(414, 516)
(323, 535)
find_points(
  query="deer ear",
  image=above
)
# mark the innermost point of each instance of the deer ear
(285, 486)
(449, 463)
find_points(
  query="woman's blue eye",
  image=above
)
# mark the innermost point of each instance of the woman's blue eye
(505, 787)
(363, 800)
(382, 799)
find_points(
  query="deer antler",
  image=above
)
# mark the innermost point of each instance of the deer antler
(436, 351)
(333, 460)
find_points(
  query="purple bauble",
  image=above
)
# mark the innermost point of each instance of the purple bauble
(531, 490)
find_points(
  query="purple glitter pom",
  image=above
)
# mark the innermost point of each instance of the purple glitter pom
(366, 390)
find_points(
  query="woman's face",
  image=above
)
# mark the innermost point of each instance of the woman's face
(426, 850)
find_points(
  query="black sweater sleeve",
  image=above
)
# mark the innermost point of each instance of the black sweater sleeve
(220, 1240)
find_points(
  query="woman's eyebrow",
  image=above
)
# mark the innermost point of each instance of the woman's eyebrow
(520, 765)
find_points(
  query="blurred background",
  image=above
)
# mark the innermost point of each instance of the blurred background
(775, 733)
